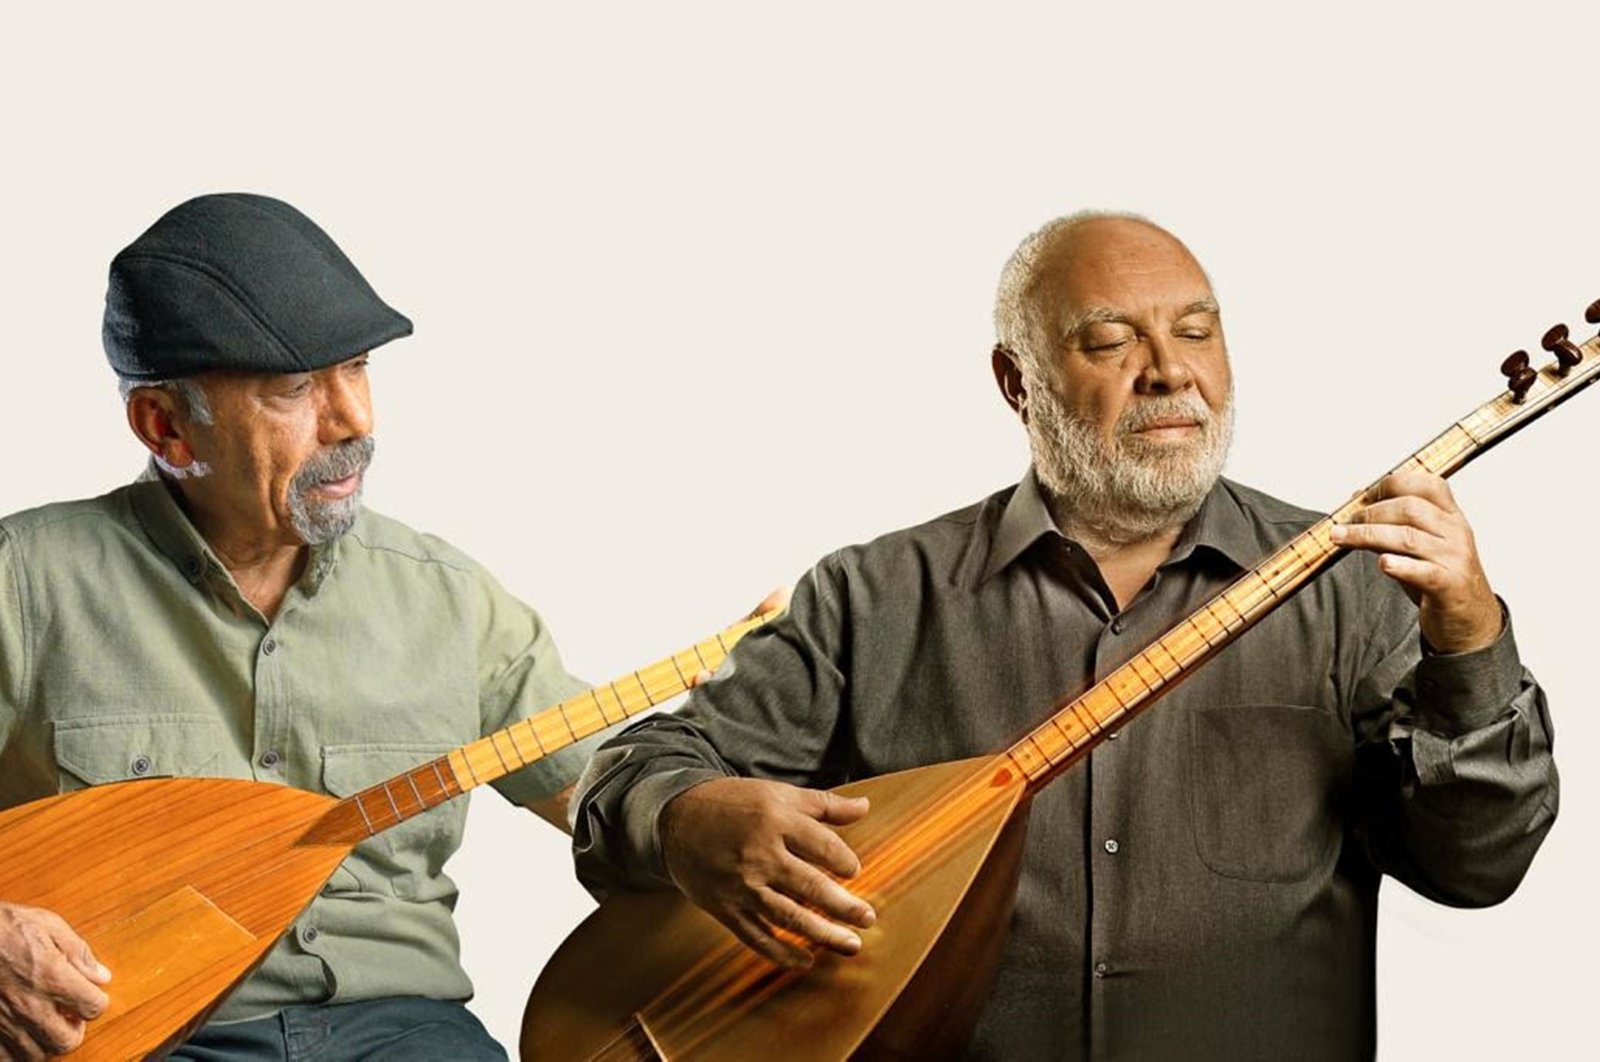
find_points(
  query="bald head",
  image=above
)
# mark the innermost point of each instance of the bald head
(1075, 271)
(1112, 354)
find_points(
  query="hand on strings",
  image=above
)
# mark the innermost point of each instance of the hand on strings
(49, 984)
(1423, 541)
(757, 856)
(776, 601)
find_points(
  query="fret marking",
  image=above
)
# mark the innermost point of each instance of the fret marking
(440, 775)
(423, 804)
(397, 816)
(1012, 756)
(1177, 668)
(1078, 710)
(603, 717)
(679, 670)
(1196, 628)
(510, 733)
(370, 830)
(1055, 721)
(1132, 668)
(493, 744)
(648, 699)
(1114, 695)
(562, 709)
(1213, 614)
(1143, 659)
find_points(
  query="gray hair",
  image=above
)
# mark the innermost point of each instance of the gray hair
(1018, 325)
(186, 389)
(191, 398)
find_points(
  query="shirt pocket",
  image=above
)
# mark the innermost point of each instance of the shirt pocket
(405, 860)
(118, 748)
(1267, 789)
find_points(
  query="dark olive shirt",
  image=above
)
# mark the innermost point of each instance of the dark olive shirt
(1205, 885)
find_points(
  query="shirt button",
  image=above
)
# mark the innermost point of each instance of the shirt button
(1112, 845)
(192, 567)
(140, 765)
(1116, 625)
(309, 935)
(1113, 735)
(269, 646)
(270, 758)
(1101, 969)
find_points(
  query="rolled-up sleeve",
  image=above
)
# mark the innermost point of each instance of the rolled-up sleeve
(1473, 788)
(772, 710)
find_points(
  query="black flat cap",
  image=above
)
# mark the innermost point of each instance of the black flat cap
(242, 282)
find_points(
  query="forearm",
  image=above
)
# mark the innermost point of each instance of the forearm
(618, 801)
(771, 711)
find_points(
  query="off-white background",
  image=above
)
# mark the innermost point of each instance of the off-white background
(702, 292)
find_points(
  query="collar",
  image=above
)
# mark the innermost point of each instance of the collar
(1221, 526)
(169, 527)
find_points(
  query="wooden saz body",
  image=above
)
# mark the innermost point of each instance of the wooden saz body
(179, 885)
(182, 885)
(649, 975)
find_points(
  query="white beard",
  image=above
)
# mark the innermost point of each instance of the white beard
(1129, 489)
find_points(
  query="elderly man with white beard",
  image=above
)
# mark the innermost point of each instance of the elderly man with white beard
(1205, 885)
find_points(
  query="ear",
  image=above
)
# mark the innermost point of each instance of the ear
(1008, 376)
(153, 415)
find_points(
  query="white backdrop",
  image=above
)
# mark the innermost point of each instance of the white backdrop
(702, 292)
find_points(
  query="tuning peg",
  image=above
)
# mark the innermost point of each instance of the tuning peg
(1592, 314)
(1516, 370)
(1565, 350)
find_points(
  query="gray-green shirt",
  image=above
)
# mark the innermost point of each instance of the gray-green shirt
(1204, 886)
(127, 651)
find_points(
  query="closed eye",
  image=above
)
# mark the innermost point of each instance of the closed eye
(1116, 344)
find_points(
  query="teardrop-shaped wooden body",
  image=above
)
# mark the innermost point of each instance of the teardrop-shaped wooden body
(180, 885)
(651, 976)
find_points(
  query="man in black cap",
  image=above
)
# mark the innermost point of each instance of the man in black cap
(237, 613)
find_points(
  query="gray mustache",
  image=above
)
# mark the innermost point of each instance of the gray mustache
(1148, 412)
(339, 461)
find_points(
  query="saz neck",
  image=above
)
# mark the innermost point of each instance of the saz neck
(423, 788)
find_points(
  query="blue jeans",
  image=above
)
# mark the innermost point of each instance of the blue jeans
(402, 1029)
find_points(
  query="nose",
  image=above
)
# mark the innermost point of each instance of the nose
(346, 410)
(1165, 369)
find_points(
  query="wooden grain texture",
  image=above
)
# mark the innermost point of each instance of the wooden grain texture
(180, 886)
(652, 969)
